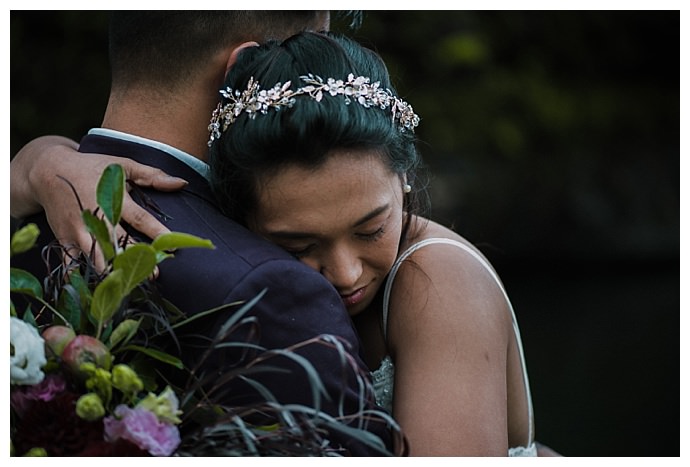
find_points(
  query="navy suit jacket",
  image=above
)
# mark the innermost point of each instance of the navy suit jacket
(299, 304)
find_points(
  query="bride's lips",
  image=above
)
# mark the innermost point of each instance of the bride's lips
(353, 298)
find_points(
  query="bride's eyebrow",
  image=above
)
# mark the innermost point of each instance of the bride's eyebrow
(290, 235)
(372, 215)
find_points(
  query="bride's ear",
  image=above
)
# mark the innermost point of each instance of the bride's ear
(236, 51)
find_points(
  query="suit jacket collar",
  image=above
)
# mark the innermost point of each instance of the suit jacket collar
(144, 153)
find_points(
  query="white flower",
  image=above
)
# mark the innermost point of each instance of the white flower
(27, 353)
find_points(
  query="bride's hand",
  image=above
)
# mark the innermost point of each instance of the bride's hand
(38, 175)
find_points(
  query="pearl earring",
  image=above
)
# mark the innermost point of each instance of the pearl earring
(407, 188)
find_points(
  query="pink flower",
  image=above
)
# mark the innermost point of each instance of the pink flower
(142, 428)
(46, 390)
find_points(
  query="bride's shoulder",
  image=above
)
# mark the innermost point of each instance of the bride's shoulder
(445, 282)
(437, 255)
(427, 232)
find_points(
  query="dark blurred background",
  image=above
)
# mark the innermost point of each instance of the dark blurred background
(553, 140)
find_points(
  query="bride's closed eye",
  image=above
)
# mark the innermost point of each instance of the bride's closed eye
(299, 252)
(303, 251)
(373, 236)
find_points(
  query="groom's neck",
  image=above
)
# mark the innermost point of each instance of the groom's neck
(179, 120)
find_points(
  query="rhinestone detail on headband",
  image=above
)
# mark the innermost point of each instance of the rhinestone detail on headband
(255, 100)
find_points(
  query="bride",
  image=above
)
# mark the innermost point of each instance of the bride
(311, 148)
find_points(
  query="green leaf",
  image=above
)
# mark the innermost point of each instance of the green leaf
(137, 263)
(29, 318)
(99, 229)
(106, 331)
(162, 256)
(25, 283)
(110, 192)
(176, 240)
(107, 297)
(124, 332)
(24, 239)
(158, 355)
(82, 288)
(79, 287)
(70, 305)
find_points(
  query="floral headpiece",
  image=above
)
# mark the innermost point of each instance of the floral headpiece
(255, 100)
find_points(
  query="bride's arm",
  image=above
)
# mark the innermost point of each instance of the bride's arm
(449, 331)
(36, 184)
(29, 169)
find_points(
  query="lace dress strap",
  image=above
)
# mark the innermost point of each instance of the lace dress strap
(482, 261)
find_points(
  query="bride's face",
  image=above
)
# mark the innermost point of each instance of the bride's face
(343, 219)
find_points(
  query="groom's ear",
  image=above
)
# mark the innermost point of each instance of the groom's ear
(236, 51)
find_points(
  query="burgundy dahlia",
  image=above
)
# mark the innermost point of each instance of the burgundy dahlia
(55, 426)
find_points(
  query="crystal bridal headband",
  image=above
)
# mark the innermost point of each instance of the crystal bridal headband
(255, 100)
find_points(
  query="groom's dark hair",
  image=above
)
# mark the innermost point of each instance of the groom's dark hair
(168, 48)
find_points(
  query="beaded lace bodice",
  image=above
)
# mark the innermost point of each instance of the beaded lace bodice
(384, 376)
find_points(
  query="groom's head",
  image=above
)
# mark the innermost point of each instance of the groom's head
(167, 67)
(169, 49)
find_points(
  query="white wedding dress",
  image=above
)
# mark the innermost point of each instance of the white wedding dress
(384, 376)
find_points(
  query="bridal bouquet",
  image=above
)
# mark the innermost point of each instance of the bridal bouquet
(83, 405)
(88, 370)
(81, 382)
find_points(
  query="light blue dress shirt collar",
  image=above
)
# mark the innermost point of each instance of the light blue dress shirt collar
(197, 164)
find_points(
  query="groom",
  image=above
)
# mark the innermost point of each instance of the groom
(167, 68)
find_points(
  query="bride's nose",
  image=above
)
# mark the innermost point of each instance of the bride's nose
(343, 268)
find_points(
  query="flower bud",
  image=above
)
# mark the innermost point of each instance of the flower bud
(126, 380)
(90, 407)
(57, 338)
(86, 349)
(23, 239)
(97, 380)
(36, 452)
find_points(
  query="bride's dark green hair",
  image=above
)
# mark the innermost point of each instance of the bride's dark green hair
(307, 132)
